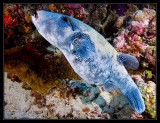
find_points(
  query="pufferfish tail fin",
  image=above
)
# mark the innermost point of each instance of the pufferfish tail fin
(135, 99)
(132, 93)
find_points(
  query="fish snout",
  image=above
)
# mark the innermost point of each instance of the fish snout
(35, 14)
(39, 15)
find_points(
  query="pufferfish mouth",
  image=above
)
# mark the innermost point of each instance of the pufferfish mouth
(35, 14)
(36, 17)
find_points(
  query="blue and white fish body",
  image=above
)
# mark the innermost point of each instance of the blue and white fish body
(90, 55)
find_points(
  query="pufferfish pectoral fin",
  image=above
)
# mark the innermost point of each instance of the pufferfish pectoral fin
(128, 61)
(109, 87)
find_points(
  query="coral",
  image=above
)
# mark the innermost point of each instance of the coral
(136, 116)
(149, 95)
(119, 41)
(138, 25)
(136, 38)
(39, 99)
(74, 10)
(43, 70)
(27, 29)
(52, 7)
(119, 8)
(9, 25)
(150, 55)
(129, 42)
(13, 77)
(148, 74)
(148, 91)
(41, 74)
(75, 6)
(119, 22)
(102, 19)
(86, 109)
(16, 22)
(60, 103)
(27, 18)
(9, 21)
(26, 86)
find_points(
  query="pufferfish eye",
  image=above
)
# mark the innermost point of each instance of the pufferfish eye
(65, 19)
(68, 21)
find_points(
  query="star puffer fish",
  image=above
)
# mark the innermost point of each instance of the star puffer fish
(90, 55)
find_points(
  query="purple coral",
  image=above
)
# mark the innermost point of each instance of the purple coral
(78, 11)
(138, 31)
(71, 13)
(75, 6)
(82, 11)
(119, 8)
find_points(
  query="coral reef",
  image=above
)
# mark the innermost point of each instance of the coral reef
(88, 101)
(134, 37)
(149, 95)
(148, 91)
(17, 22)
(40, 73)
(74, 10)
(102, 19)
(52, 89)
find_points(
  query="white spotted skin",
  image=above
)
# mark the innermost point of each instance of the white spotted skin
(100, 65)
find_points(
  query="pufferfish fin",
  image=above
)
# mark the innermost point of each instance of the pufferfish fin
(109, 87)
(135, 99)
(128, 61)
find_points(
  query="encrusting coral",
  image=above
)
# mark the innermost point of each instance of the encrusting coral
(136, 38)
(148, 91)
(43, 69)
(132, 38)
(40, 73)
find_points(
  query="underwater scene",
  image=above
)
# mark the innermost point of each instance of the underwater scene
(79, 61)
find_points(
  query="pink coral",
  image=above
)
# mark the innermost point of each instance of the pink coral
(138, 27)
(78, 11)
(135, 38)
(135, 35)
(82, 11)
(70, 12)
(150, 55)
(119, 41)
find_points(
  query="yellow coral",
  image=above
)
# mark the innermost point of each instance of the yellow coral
(6, 13)
(63, 10)
(27, 29)
(52, 7)
(27, 18)
(50, 72)
(150, 99)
